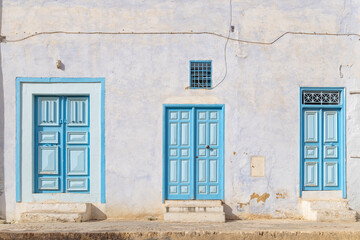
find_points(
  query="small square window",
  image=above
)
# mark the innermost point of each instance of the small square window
(200, 74)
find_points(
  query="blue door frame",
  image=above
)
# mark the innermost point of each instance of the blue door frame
(315, 150)
(209, 118)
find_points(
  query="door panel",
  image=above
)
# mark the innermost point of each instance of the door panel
(322, 147)
(62, 144)
(193, 153)
(179, 158)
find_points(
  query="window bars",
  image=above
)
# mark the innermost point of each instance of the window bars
(200, 74)
(321, 98)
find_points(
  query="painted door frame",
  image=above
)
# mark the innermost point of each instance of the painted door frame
(342, 127)
(222, 140)
(100, 195)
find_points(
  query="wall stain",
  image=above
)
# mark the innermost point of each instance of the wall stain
(244, 204)
(260, 198)
(234, 153)
(281, 195)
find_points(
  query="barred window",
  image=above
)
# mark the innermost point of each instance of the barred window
(321, 97)
(200, 74)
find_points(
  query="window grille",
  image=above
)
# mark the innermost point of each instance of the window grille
(321, 97)
(200, 74)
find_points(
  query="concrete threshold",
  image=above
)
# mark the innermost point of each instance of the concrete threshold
(151, 230)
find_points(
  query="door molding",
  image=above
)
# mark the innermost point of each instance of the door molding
(94, 87)
(342, 127)
(222, 128)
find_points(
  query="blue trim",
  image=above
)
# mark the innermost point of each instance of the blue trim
(200, 61)
(193, 107)
(342, 128)
(18, 82)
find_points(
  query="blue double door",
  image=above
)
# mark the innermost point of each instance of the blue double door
(193, 152)
(61, 161)
(322, 147)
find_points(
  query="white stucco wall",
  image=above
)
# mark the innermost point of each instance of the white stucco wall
(143, 72)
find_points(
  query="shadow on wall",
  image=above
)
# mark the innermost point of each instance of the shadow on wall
(2, 117)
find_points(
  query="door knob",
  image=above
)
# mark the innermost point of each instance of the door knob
(207, 147)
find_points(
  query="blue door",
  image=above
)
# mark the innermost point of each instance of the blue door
(322, 141)
(193, 152)
(61, 144)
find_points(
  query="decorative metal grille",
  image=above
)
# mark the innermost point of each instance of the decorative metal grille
(200, 74)
(321, 97)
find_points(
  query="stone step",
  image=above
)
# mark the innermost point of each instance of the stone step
(336, 215)
(195, 209)
(193, 203)
(56, 207)
(215, 217)
(27, 217)
(328, 204)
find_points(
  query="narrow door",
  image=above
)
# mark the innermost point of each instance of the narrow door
(193, 153)
(62, 144)
(322, 149)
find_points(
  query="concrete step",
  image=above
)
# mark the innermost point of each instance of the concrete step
(54, 212)
(336, 215)
(27, 217)
(195, 209)
(215, 217)
(193, 203)
(328, 211)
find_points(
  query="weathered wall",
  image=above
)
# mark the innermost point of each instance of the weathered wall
(260, 92)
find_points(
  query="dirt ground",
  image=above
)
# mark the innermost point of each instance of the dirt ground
(150, 230)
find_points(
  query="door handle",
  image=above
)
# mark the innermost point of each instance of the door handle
(207, 147)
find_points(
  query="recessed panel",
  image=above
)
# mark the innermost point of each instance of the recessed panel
(202, 133)
(173, 171)
(185, 134)
(77, 163)
(48, 111)
(311, 151)
(331, 174)
(185, 115)
(48, 137)
(311, 174)
(213, 152)
(202, 171)
(202, 115)
(213, 115)
(77, 138)
(173, 115)
(330, 126)
(184, 152)
(213, 189)
(173, 189)
(184, 170)
(184, 189)
(331, 152)
(48, 160)
(311, 126)
(77, 111)
(77, 184)
(173, 152)
(213, 170)
(213, 134)
(173, 134)
(202, 152)
(48, 183)
(202, 189)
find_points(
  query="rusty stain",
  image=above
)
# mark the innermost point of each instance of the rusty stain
(243, 204)
(234, 153)
(260, 198)
(281, 195)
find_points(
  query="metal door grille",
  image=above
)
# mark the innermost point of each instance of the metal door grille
(321, 98)
(200, 74)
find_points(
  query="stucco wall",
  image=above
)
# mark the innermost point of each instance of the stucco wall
(142, 72)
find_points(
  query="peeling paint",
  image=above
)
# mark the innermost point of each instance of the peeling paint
(260, 198)
(282, 195)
